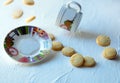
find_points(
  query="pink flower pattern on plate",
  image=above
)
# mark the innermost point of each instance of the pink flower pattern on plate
(24, 59)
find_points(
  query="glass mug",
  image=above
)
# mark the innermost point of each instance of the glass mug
(69, 16)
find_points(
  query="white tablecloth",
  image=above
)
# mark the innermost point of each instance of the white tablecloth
(99, 17)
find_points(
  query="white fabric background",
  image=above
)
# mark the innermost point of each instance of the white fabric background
(99, 17)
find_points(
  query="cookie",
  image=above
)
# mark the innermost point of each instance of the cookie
(57, 46)
(109, 53)
(7, 2)
(77, 60)
(29, 19)
(88, 61)
(28, 2)
(52, 37)
(17, 13)
(103, 40)
(68, 51)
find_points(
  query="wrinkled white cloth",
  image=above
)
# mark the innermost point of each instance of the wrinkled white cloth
(99, 17)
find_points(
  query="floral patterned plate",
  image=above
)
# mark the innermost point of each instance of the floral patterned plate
(27, 44)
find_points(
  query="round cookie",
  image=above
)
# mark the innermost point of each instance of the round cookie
(103, 40)
(88, 61)
(28, 2)
(77, 60)
(57, 46)
(68, 51)
(52, 37)
(110, 53)
(17, 14)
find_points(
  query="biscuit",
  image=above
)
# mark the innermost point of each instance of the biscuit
(52, 37)
(28, 2)
(103, 40)
(29, 19)
(17, 13)
(109, 53)
(57, 46)
(88, 61)
(77, 60)
(7, 2)
(68, 51)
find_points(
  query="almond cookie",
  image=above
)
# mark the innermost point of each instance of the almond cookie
(88, 61)
(103, 40)
(17, 14)
(68, 51)
(110, 53)
(7, 2)
(28, 2)
(77, 60)
(52, 37)
(57, 46)
(29, 19)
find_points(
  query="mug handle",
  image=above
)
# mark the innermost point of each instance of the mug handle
(74, 3)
